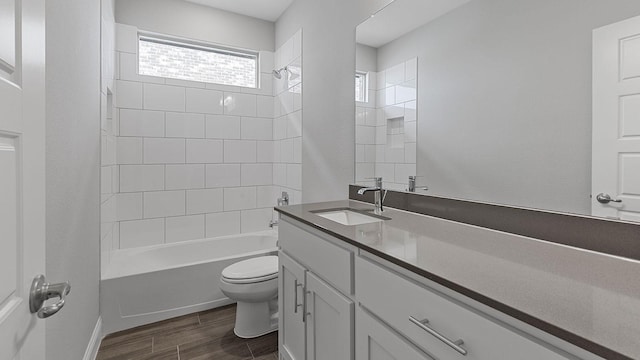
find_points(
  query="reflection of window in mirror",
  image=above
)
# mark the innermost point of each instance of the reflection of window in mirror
(362, 80)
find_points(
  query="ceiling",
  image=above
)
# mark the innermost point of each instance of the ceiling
(401, 17)
(269, 10)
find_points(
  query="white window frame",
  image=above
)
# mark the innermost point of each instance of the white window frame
(365, 85)
(203, 46)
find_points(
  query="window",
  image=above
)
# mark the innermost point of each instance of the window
(361, 87)
(184, 60)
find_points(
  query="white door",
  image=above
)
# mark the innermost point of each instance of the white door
(329, 322)
(22, 125)
(616, 121)
(291, 307)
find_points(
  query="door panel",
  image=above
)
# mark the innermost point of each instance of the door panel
(329, 322)
(22, 197)
(291, 325)
(616, 119)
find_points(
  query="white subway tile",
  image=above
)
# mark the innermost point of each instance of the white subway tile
(141, 178)
(389, 96)
(411, 69)
(365, 135)
(126, 38)
(164, 203)
(264, 151)
(410, 111)
(204, 201)
(204, 151)
(223, 175)
(240, 104)
(184, 125)
(266, 196)
(129, 150)
(386, 171)
(180, 177)
(256, 220)
(394, 75)
(223, 127)
(403, 171)
(294, 176)
(286, 150)
(297, 44)
(221, 224)
(240, 151)
(364, 171)
(139, 233)
(297, 150)
(380, 80)
(129, 206)
(128, 94)
(370, 153)
(297, 97)
(410, 131)
(183, 228)
(241, 198)
(164, 151)
(406, 91)
(141, 123)
(280, 128)
(264, 106)
(286, 101)
(257, 174)
(410, 153)
(265, 87)
(256, 128)
(294, 124)
(204, 101)
(164, 97)
(280, 174)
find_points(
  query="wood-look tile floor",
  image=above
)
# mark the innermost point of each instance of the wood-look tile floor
(199, 336)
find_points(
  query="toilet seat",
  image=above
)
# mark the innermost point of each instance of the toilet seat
(253, 270)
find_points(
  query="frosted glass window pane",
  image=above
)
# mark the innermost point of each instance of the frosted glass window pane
(196, 63)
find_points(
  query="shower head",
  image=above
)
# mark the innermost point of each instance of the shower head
(278, 73)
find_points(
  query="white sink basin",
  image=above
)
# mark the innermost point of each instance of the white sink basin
(348, 217)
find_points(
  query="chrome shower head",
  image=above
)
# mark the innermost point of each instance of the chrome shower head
(278, 73)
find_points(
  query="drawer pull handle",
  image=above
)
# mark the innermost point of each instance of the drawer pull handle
(296, 284)
(455, 345)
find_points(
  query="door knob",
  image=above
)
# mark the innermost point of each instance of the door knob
(42, 291)
(606, 198)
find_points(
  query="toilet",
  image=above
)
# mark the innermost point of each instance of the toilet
(253, 283)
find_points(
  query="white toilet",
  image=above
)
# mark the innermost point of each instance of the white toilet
(253, 283)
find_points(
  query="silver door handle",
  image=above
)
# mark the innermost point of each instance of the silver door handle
(42, 291)
(455, 345)
(606, 198)
(296, 284)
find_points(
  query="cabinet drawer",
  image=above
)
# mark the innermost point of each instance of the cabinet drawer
(331, 262)
(396, 300)
(375, 341)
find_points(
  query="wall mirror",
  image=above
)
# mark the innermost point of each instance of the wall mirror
(503, 102)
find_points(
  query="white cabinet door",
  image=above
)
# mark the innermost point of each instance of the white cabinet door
(329, 322)
(22, 165)
(374, 341)
(616, 120)
(291, 325)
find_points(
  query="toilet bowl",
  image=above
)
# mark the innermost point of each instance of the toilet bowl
(253, 284)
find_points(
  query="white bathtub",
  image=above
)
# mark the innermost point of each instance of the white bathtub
(149, 284)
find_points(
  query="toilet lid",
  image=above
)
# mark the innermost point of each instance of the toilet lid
(255, 268)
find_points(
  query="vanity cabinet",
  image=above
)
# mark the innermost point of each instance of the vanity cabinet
(339, 302)
(316, 319)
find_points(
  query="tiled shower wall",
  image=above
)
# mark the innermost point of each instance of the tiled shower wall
(287, 125)
(386, 127)
(197, 159)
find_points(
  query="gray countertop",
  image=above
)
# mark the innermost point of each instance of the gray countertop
(587, 298)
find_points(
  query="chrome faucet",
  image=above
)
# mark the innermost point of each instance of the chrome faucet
(282, 201)
(378, 195)
(412, 184)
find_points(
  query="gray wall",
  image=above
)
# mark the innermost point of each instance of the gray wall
(366, 58)
(72, 170)
(504, 107)
(328, 56)
(185, 19)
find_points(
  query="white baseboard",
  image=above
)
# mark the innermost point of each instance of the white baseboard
(94, 342)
